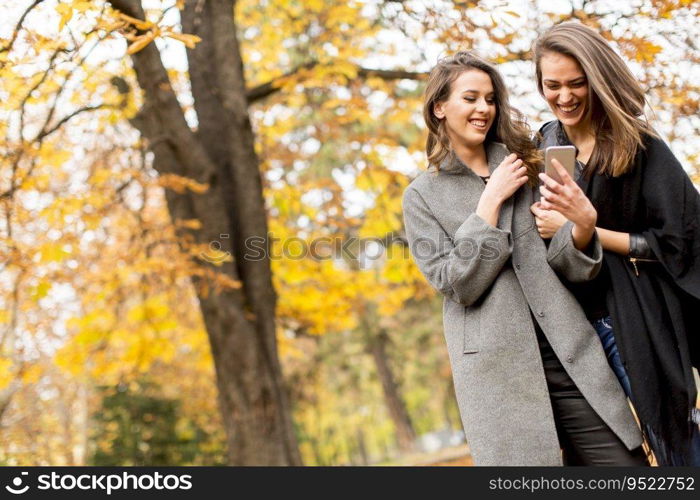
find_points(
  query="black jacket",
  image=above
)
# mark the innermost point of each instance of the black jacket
(655, 307)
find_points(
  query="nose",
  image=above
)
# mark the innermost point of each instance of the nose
(564, 96)
(482, 105)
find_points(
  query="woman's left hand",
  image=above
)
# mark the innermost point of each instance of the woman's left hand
(567, 198)
(548, 221)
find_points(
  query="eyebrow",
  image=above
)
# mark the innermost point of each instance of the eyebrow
(475, 92)
(575, 80)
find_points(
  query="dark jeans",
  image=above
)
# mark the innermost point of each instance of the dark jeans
(584, 437)
(604, 329)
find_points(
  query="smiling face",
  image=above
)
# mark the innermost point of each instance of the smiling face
(470, 109)
(565, 88)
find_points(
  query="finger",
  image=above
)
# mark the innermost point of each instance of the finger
(548, 195)
(551, 184)
(505, 163)
(509, 159)
(536, 209)
(547, 206)
(563, 174)
(555, 205)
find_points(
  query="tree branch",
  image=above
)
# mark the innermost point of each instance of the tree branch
(264, 90)
(45, 133)
(18, 26)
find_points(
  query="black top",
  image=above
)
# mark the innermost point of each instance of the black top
(590, 294)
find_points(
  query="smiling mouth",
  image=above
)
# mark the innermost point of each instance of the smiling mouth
(480, 124)
(568, 109)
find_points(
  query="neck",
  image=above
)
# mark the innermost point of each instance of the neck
(580, 133)
(473, 157)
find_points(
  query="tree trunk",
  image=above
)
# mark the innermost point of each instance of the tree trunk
(240, 322)
(362, 447)
(405, 434)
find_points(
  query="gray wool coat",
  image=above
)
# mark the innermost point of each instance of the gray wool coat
(491, 278)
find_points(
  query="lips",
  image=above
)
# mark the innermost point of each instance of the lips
(568, 110)
(478, 124)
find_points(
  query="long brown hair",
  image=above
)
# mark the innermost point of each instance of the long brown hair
(617, 101)
(509, 126)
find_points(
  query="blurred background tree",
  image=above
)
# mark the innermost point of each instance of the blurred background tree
(136, 425)
(147, 147)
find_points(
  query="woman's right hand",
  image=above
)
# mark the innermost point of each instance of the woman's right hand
(506, 179)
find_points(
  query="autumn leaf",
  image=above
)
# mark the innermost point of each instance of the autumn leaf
(189, 40)
(66, 12)
(138, 23)
(140, 42)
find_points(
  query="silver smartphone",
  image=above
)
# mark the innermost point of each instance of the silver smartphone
(566, 155)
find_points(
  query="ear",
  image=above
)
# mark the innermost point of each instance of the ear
(438, 110)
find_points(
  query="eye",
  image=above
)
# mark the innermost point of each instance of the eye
(578, 85)
(470, 99)
(552, 87)
(490, 101)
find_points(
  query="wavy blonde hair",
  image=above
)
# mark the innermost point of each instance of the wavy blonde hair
(509, 126)
(617, 100)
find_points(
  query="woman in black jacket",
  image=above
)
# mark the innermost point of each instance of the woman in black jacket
(645, 303)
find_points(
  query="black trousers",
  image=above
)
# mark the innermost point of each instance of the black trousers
(584, 437)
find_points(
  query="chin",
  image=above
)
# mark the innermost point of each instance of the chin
(475, 140)
(571, 121)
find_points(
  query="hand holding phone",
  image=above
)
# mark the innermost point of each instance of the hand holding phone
(567, 198)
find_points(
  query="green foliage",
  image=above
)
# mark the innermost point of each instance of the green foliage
(137, 427)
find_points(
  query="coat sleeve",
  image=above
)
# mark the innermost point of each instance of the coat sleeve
(672, 215)
(462, 269)
(571, 263)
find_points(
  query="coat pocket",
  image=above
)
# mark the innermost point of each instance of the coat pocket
(471, 330)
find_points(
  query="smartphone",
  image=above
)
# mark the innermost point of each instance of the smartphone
(566, 155)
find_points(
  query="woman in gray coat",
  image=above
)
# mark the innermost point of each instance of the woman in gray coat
(530, 374)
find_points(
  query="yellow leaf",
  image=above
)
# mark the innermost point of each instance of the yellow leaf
(140, 43)
(179, 183)
(315, 5)
(7, 375)
(189, 40)
(41, 290)
(66, 12)
(32, 374)
(189, 223)
(52, 252)
(138, 23)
